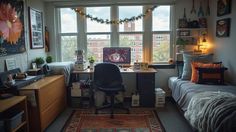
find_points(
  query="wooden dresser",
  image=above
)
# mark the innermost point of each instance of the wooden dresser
(46, 99)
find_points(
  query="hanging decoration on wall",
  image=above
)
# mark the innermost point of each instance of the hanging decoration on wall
(11, 27)
(106, 21)
(193, 10)
(223, 7)
(47, 45)
(223, 27)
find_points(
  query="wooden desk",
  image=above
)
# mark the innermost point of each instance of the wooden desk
(145, 83)
(122, 70)
(12, 104)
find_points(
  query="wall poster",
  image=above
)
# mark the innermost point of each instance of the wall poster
(223, 7)
(36, 28)
(223, 27)
(12, 36)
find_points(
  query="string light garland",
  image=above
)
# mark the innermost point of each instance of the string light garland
(106, 21)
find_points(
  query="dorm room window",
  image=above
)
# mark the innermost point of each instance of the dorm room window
(161, 34)
(98, 35)
(131, 33)
(78, 32)
(67, 33)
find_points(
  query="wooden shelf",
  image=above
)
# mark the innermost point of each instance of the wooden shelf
(16, 103)
(8, 103)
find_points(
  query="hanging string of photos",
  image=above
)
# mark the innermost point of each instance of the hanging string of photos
(106, 21)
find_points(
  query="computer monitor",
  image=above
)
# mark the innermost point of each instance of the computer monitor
(117, 55)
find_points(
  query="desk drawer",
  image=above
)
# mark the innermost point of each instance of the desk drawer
(50, 93)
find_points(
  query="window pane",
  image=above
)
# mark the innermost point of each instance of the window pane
(135, 41)
(99, 12)
(161, 19)
(68, 47)
(128, 12)
(95, 44)
(161, 47)
(68, 20)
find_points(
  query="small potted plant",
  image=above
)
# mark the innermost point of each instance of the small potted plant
(91, 60)
(39, 61)
(49, 59)
(181, 43)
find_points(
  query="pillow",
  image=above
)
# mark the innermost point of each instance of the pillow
(188, 58)
(179, 66)
(211, 75)
(194, 65)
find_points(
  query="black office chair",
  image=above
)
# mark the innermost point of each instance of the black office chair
(107, 78)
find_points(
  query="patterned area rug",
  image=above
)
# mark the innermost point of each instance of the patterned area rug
(139, 120)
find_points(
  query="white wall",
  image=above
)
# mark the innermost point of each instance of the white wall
(23, 60)
(224, 48)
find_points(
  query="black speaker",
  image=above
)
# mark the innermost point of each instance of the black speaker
(46, 69)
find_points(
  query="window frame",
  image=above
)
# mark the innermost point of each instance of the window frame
(60, 34)
(95, 33)
(170, 32)
(114, 33)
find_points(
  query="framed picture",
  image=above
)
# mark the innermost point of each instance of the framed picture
(184, 33)
(223, 27)
(223, 7)
(34, 66)
(12, 27)
(36, 28)
(11, 63)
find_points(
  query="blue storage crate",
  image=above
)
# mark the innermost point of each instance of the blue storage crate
(13, 121)
(2, 126)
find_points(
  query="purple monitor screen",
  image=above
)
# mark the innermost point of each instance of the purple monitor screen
(118, 55)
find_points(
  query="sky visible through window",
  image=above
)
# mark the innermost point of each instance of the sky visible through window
(100, 13)
(68, 20)
(161, 18)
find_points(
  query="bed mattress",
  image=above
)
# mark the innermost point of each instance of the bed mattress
(183, 90)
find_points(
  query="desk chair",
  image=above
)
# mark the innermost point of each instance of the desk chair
(107, 78)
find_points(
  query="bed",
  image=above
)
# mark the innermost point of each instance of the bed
(208, 108)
